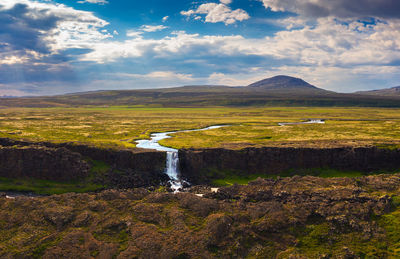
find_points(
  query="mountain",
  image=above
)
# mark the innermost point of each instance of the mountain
(394, 91)
(282, 82)
(275, 91)
(287, 85)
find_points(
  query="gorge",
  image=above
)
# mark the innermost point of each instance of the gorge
(172, 163)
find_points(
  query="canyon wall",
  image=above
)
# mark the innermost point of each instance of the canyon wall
(134, 159)
(71, 161)
(42, 163)
(197, 164)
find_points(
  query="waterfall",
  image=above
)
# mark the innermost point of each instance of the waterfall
(172, 165)
(172, 170)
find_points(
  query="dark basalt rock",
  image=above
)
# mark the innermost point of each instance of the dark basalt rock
(67, 162)
(196, 165)
(134, 159)
(42, 163)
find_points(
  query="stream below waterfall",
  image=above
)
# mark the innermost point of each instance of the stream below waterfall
(172, 166)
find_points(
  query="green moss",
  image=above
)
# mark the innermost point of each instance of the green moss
(94, 253)
(227, 177)
(318, 240)
(387, 146)
(322, 172)
(236, 179)
(120, 237)
(268, 251)
(317, 235)
(38, 250)
(396, 201)
(98, 167)
(46, 187)
(391, 224)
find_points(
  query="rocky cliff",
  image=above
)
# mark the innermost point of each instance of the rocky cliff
(134, 159)
(70, 161)
(299, 217)
(39, 162)
(196, 164)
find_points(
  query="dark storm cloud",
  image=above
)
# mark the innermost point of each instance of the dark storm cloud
(27, 32)
(21, 31)
(338, 8)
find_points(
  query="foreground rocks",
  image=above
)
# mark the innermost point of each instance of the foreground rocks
(298, 217)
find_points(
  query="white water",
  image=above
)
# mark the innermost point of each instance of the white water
(172, 166)
(312, 121)
(13, 195)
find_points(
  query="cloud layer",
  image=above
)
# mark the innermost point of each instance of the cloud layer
(47, 47)
(337, 8)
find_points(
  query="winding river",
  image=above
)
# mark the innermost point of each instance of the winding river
(172, 166)
(310, 121)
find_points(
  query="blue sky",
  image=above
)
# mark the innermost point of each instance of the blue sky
(63, 46)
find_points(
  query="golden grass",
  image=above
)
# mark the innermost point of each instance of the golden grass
(121, 126)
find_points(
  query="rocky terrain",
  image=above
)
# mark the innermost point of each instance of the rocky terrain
(298, 217)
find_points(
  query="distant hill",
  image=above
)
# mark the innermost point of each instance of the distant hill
(394, 91)
(282, 82)
(275, 91)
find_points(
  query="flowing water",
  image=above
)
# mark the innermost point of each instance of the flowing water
(172, 166)
(311, 121)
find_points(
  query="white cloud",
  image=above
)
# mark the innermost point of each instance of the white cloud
(101, 2)
(165, 18)
(178, 43)
(7, 90)
(164, 75)
(234, 80)
(153, 28)
(133, 33)
(137, 33)
(156, 79)
(215, 13)
(53, 28)
(328, 43)
(226, 1)
(333, 43)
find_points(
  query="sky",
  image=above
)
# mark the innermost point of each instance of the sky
(52, 47)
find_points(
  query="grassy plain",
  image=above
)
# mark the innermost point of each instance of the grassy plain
(121, 126)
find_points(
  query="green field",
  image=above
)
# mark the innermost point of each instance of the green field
(121, 126)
